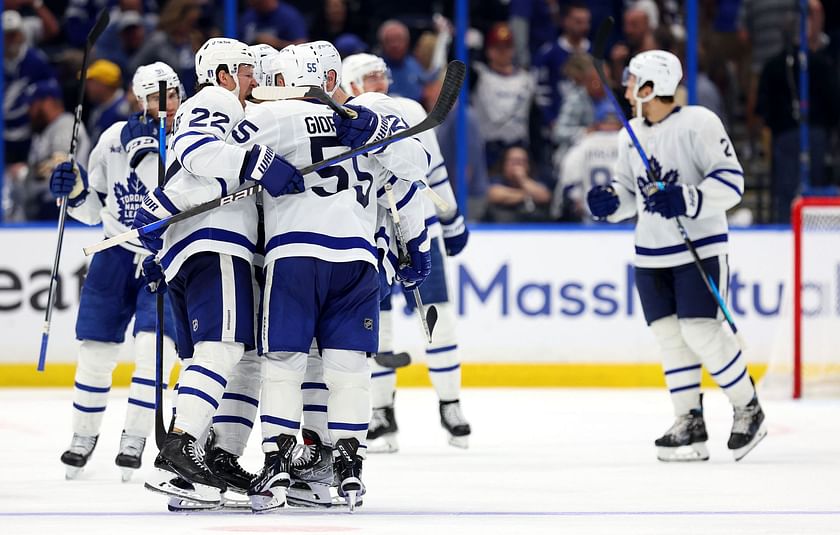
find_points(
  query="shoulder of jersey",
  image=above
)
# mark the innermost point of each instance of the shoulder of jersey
(413, 112)
(218, 96)
(696, 115)
(111, 135)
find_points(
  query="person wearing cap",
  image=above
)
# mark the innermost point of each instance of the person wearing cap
(39, 23)
(104, 90)
(502, 95)
(23, 65)
(52, 128)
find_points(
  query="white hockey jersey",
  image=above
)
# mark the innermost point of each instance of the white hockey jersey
(334, 219)
(202, 166)
(115, 191)
(590, 162)
(690, 146)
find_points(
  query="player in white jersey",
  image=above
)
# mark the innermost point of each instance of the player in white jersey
(365, 74)
(589, 163)
(697, 178)
(207, 259)
(120, 176)
(321, 272)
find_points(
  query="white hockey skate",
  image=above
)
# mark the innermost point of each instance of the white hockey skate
(382, 433)
(130, 456)
(457, 427)
(77, 455)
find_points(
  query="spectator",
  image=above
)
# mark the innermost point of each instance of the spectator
(104, 90)
(513, 195)
(502, 95)
(348, 44)
(131, 31)
(778, 105)
(22, 66)
(553, 56)
(578, 111)
(273, 23)
(335, 20)
(53, 130)
(175, 42)
(79, 18)
(407, 74)
(39, 23)
(532, 24)
(640, 21)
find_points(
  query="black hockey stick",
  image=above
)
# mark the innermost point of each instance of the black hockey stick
(455, 74)
(599, 52)
(93, 35)
(273, 92)
(393, 360)
(160, 430)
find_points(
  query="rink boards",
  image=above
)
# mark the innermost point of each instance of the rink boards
(537, 305)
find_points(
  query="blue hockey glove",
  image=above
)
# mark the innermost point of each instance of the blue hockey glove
(65, 181)
(156, 206)
(675, 200)
(359, 131)
(414, 269)
(455, 234)
(139, 137)
(603, 201)
(153, 278)
(276, 175)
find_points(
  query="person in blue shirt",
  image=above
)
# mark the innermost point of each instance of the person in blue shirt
(272, 22)
(104, 90)
(408, 77)
(532, 24)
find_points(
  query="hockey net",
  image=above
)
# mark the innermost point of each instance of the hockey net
(812, 365)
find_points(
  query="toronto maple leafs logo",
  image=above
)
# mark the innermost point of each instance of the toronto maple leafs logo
(129, 198)
(649, 184)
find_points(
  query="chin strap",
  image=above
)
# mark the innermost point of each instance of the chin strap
(639, 100)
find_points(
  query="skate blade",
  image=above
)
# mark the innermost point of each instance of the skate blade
(740, 453)
(351, 501)
(309, 494)
(459, 442)
(683, 454)
(384, 444)
(193, 491)
(72, 472)
(268, 501)
(181, 505)
(126, 474)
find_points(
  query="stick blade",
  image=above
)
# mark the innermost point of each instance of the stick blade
(600, 48)
(393, 360)
(99, 26)
(431, 319)
(456, 73)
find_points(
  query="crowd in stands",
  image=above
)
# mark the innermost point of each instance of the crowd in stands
(535, 98)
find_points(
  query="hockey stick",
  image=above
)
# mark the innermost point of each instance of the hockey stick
(273, 92)
(160, 430)
(93, 35)
(598, 51)
(446, 100)
(393, 360)
(427, 318)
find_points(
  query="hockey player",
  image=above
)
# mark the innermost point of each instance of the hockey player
(697, 177)
(321, 279)
(365, 73)
(122, 171)
(207, 260)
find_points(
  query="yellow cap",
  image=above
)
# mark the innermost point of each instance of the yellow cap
(106, 72)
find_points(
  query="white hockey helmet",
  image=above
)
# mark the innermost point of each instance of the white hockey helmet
(147, 78)
(354, 69)
(330, 61)
(277, 64)
(302, 67)
(261, 52)
(218, 52)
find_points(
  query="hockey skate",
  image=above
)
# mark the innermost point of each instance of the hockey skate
(452, 419)
(227, 468)
(130, 456)
(77, 455)
(347, 465)
(382, 433)
(268, 489)
(312, 473)
(686, 440)
(748, 429)
(183, 473)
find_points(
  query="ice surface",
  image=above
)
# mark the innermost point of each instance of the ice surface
(540, 461)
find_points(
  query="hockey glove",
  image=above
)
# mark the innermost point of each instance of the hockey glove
(156, 206)
(276, 175)
(366, 128)
(414, 269)
(455, 234)
(70, 182)
(675, 200)
(139, 137)
(153, 278)
(602, 201)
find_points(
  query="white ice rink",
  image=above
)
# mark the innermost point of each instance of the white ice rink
(541, 461)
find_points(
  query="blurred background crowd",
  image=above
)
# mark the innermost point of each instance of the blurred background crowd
(537, 112)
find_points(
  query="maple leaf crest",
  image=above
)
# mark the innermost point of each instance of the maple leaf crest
(648, 184)
(129, 197)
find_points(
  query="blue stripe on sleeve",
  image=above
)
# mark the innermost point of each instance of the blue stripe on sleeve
(717, 176)
(201, 142)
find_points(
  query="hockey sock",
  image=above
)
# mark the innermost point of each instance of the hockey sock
(348, 410)
(97, 361)
(202, 384)
(315, 395)
(140, 412)
(682, 367)
(383, 381)
(281, 403)
(442, 356)
(234, 419)
(718, 349)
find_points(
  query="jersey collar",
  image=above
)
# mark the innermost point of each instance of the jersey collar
(675, 110)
